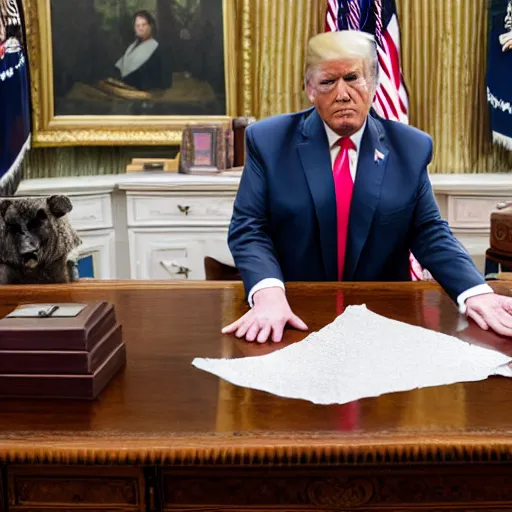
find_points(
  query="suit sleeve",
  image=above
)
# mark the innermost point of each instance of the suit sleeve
(248, 238)
(436, 248)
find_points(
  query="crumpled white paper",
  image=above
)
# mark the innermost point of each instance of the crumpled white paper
(360, 354)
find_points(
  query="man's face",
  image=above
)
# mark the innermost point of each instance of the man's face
(342, 94)
(142, 28)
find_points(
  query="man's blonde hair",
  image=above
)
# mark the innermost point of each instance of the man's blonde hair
(330, 46)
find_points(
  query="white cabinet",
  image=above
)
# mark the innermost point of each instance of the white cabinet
(145, 226)
(171, 232)
(162, 226)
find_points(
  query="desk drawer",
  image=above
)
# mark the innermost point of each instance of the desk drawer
(472, 212)
(433, 487)
(40, 488)
(161, 210)
(91, 212)
(177, 253)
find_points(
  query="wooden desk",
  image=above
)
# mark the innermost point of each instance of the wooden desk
(165, 435)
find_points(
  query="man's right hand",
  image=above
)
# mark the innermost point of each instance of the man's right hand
(269, 316)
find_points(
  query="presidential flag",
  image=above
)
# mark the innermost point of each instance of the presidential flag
(14, 97)
(499, 71)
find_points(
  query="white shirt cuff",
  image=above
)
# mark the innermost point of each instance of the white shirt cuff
(269, 282)
(479, 289)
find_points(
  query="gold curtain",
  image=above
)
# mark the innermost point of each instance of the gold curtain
(443, 60)
(274, 38)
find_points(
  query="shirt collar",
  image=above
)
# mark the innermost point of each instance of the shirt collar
(333, 137)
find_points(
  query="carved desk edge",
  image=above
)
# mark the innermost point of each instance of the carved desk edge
(140, 284)
(13, 291)
(259, 450)
(117, 284)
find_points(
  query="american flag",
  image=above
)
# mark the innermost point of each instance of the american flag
(391, 97)
(379, 18)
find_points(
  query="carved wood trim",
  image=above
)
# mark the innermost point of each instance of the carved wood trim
(455, 488)
(257, 450)
(38, 487)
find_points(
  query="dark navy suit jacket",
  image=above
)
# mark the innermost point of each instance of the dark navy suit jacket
(284, 219)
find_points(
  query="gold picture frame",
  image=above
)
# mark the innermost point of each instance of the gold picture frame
(49, 129)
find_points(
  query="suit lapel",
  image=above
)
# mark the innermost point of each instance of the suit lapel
(316, 161)
(372, 162)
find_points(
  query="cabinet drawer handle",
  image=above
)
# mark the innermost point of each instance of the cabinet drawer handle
(181, 270)
(184, 209)
(504, 204)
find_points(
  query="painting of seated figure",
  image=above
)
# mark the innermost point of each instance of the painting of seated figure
(138, 57)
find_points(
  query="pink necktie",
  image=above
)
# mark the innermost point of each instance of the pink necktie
(343, 186)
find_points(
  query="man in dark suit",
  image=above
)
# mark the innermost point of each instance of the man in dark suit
(337, 193)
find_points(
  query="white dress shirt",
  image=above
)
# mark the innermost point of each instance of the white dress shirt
(333, 138)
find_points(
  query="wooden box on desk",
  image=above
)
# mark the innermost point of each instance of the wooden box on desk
(73, 356)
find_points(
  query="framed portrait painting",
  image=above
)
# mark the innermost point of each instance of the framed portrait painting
(130, 72)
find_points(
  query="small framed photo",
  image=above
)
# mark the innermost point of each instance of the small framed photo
(206, 149)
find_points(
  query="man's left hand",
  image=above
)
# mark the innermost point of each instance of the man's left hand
(491, 310)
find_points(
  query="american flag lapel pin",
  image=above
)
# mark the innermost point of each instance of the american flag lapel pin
(378, 157)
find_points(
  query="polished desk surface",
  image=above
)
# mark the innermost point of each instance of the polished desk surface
(162, 409)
